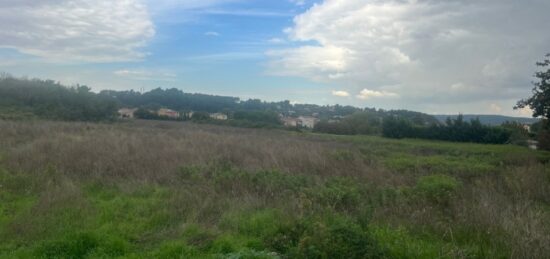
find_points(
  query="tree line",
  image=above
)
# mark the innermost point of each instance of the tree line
(457, 130)
(51, 100)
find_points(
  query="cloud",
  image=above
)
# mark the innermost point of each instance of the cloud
(340, 93)
(366, 94)
(314, 62)
(226, 57)
(422, 46)
(276, 41)
(147, 75)
(76, 30)
(245, 12)
(212, 34)
(298, 2)
(495, 108)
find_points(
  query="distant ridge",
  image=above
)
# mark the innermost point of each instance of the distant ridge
(490, 119)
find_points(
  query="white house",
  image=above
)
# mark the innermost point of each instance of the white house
(290, 122)
(307, 121)
(218, 116)
(126, 113)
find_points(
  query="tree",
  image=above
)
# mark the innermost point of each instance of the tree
(540, 101)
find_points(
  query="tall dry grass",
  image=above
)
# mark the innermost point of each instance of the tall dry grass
(508, 207)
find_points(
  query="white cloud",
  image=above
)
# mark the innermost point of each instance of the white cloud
(145, 75)
(368, 94)
(76, 30)
(340, 93)
(524, 112)
(276, 41)
(298, 2)
(495, 108)
(226, 57)
(423, 46)
(318, 63)
(212, 34)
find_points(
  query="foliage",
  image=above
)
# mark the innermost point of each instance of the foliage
(183, 190)
(200, 116)
(262, 117)
(51, 100)
(540, 101)
(454, 130)
(329, 237)
(543, 135)
(369, 122)
(438, 188)
(146, 114)
(518, 134)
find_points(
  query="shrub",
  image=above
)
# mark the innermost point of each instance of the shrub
(338, 193)
(72, 246)
(437, 188)
(174, 250)
(331, 237)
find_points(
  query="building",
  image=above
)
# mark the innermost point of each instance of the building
(302, 121)
(126, 113)
(290, 122)
(307, 121)
(168, 113)
(218, 116)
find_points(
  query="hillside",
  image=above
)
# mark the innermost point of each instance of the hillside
(490, 119)
(153, 189)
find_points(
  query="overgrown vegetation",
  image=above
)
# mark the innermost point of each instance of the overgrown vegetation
(539, 102)
(147, 189)
(453, 130)
(26, 98)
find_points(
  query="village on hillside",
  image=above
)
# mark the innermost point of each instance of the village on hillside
(169, 114)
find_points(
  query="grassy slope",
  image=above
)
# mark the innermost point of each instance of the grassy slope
(173, 190)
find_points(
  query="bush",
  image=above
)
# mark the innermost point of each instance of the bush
(332, 237)
(339, 193)
(73, 246)
(437, 188)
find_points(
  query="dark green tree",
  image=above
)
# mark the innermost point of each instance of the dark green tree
(540, 102)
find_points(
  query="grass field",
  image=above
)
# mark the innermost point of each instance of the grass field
(180, 190)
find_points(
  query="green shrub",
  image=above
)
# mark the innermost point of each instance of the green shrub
(72, 246)
(399, 243)
(437, 188)
(339, 193)
(252, 254)
(175, 250)
(332, 237)
(260, 224)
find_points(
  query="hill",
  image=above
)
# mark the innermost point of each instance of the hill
(493, 120)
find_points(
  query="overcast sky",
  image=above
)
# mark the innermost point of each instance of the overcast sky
(434, 56)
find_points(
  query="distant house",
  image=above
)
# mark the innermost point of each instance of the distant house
(168, 113)
(218, 116)
(307, 121)
(302, 121)
(126, 113)
(290, 122)
(527, 127)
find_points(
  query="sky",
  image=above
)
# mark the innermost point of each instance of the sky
(433, 56)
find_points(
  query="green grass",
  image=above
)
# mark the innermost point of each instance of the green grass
(382, 199)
